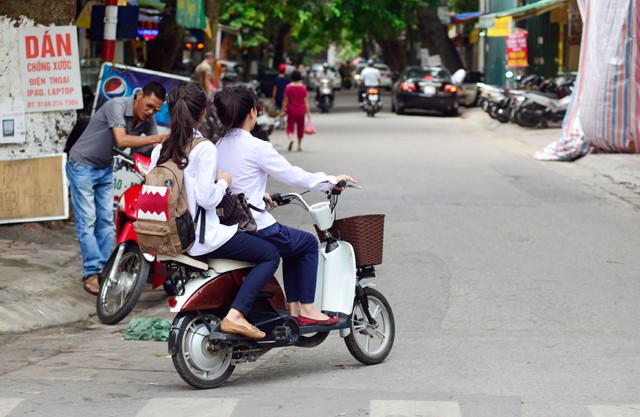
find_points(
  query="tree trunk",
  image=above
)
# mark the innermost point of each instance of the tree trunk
(393, 53)
(213, 15)
(433, 35)
(278, 53)
(163, 50)
(58, 12)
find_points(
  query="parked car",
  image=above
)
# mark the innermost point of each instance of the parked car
(425, 88)
(385, 75)
(312, 77)
(468, 93)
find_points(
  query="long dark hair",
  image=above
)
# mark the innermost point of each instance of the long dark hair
(187, 103)
(233, 104)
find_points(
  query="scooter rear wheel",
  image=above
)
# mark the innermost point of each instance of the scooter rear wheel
(117, 298)
(371, 344)
(196, 359)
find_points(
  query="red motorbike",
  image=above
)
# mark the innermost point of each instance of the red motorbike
(128, 269)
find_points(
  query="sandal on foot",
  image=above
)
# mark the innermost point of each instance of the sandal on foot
(91, 284)
(290, 146)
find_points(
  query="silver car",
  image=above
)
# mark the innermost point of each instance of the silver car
(385, 75)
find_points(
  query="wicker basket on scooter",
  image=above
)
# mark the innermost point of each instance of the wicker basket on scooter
(366, 235)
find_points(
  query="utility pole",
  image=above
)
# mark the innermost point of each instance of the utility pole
(110, 26)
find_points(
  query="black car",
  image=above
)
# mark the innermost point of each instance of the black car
(425, 88)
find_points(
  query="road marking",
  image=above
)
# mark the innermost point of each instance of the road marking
(380, 408)
(620, 410)
(8, 404)
(189, 407)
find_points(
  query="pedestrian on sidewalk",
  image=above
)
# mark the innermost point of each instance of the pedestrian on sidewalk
(119, 122)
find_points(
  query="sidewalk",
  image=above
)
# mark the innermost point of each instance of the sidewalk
(40, 267)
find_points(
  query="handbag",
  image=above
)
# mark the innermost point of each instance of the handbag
(308, 127)
(235, 209)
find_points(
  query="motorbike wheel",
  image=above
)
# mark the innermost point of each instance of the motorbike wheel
(527, 118)
(371, 344)
(198, 362)
(502, 115)
(117, 298)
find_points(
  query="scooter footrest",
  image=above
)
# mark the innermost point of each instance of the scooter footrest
(282, 333)
(342, 324)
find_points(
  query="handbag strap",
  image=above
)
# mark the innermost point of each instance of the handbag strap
(251, 206)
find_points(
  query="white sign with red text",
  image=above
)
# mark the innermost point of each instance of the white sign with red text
(50, 68)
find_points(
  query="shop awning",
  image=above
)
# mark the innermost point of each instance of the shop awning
(522, 12)
(465, 17)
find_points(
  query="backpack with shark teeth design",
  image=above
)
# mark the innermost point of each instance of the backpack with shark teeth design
(164, 224)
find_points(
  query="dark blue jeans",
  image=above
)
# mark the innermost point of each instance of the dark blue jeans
(248, 248)
(299, 251)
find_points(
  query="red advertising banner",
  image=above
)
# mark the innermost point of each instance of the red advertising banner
(517, 53)
(50, 68)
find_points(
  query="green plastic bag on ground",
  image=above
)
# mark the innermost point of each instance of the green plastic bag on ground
(148, 328)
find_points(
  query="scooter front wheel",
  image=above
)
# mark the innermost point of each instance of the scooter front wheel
(371, 343)
(197, 359)
(119, 295)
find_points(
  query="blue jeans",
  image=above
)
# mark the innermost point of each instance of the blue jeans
(92, 201)
(299, 251)
(248, 248)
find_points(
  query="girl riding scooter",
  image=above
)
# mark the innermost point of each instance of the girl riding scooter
(250, 161)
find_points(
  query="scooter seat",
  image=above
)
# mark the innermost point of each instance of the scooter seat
(225, 265)
(184, 259)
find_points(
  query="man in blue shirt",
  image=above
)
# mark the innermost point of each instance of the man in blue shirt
(279, 84)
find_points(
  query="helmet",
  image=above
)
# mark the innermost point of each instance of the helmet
(370, 62)
(325, 65)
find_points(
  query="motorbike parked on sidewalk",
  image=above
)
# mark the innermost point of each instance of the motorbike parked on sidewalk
(325, 95)
(539, 108)
(371, 102)
(205, 357)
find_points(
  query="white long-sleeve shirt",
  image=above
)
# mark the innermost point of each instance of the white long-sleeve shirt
(202, 190)
(250, 161)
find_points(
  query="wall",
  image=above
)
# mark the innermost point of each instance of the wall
(46, 132)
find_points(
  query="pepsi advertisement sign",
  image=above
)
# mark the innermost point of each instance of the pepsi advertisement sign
(115, 80)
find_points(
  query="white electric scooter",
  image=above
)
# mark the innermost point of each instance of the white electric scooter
(205, 357)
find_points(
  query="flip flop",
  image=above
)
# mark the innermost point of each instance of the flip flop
(90, 282)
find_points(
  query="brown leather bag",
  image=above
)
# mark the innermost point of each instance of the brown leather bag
(235, 209)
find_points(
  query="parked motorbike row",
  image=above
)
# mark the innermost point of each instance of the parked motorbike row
(536, 101)
(201, 291)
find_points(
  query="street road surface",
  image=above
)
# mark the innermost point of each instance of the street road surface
(514, 285)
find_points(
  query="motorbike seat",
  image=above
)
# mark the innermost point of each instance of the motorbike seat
(184, 259)
(225, 265)
(544, 93)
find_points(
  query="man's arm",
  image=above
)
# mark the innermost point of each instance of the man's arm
(124, 140)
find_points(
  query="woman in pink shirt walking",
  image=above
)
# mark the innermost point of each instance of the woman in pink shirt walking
(296, 106)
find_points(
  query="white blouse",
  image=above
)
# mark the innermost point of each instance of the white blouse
(250, 161)
(202, 189)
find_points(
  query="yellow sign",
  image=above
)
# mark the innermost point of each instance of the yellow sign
(501, 27)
